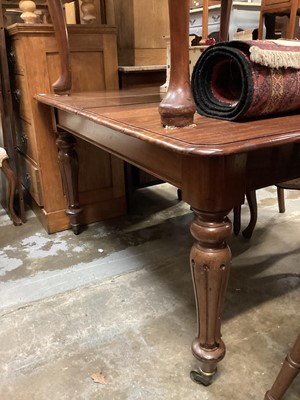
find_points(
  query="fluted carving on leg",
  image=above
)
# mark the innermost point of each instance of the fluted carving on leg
(210, 263)
(68, 161)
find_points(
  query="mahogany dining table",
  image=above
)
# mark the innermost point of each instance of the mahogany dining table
(213, 162)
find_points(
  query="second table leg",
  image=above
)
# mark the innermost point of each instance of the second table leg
(210, 264)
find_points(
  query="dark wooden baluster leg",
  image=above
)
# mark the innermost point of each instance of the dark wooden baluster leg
(252, 202)
(270, 23)
(12, 184)
(68, 162)
(288, 372)
(64, 83)
(237, 220)
(178, 107)
(281, 201)
(210, 264)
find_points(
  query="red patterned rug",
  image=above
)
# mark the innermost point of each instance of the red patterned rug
(247, 79)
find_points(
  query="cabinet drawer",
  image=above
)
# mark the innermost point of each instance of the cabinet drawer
(214, 17)
(25, 138)
(30, 179)
(21, 98)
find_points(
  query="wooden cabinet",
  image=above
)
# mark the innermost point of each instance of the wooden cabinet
(36, 66)
(141, 27)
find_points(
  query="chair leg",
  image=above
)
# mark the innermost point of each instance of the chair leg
(252, 202)
(290, 34)
(280, 197)
(270, 21)
(237, 220)
(260, 26)
(287, 374)
(12, 183)
(247, 232)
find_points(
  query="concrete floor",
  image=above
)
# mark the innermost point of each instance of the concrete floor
(118, 300)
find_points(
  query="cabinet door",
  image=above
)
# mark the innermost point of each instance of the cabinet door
(142, 24)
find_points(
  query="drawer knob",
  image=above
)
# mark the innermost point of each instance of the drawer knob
(215, 17)
(17, 95)
(12, 57)
(24, 138)
(27, 179)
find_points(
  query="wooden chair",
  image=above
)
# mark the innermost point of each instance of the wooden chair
(294, 184)
(8, 135)
(287, 374)
(278, 8)
(177, 108)
(12, 184)
(252, 203)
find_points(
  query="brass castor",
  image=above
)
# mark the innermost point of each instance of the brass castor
(76, 229)
(201, 377)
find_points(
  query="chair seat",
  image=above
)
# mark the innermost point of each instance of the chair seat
(292, 184)
(279, 8)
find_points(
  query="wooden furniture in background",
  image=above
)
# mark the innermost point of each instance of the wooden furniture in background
(36, 65)
(293, 185)
(141, 76)
(177, 108)
(283, 7)
(76, 12)
(141, 27)
(287, 373)
(8, 144)
(12, 186)
(244, 15)
(252, 203)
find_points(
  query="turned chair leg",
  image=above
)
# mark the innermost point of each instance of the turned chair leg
(237, 220)
(280, 197)
(287, 374)
(252, 203)
(12, 184)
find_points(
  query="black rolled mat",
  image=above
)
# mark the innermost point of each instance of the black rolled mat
(228, 84)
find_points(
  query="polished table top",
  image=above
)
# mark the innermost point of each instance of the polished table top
(135, 113)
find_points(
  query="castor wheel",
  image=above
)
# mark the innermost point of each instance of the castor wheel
(76, 229)
(201, 377)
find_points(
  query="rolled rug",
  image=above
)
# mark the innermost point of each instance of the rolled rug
(247, 79)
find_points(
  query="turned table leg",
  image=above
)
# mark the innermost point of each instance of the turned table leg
(289, 370)
(68, 161)
(210, 263)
